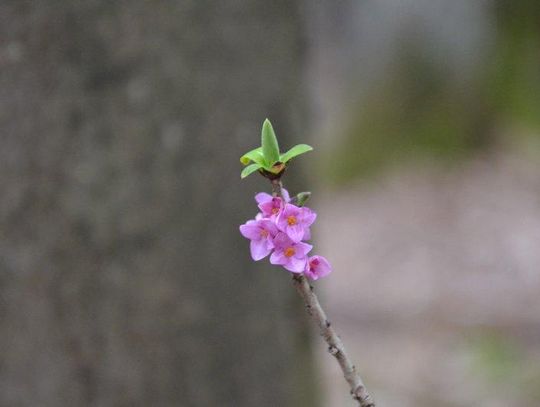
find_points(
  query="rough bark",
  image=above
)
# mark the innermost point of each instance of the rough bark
(123, 278)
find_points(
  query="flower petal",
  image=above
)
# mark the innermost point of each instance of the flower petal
(262, 197)
(286, 195)
(295, 232)
(308, 216)
(302, 249)
(259, 249)
(269, 226)
(278, 258)
(296, 265)
(317, 267)
(281, 241)
(266, 207)
(250, 230)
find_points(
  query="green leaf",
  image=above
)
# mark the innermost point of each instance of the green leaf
(254, 155)
(301, 198)
(249, 169)
(269, 143)
(295, 151)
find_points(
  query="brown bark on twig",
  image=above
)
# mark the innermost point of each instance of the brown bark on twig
(335, 345)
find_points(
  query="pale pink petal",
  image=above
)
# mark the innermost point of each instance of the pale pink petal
(317, 267)
(266, 207)
(281, 221)
(269, 226)
(278, 258)
(295, 264)
(294, 210)
(270, 241)
(263, 197)
(259, 249)
(308, 217)
(250, 230)
(302, 249)
(285, 194)
(283, 218)
(282, 240)
(310, 273)
(295, 232)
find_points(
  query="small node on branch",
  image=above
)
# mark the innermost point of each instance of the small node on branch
(279, 167)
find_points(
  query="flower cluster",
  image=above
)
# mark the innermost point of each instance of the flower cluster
(281, 228)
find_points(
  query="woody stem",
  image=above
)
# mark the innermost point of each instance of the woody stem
(276, 187)
(335, 345)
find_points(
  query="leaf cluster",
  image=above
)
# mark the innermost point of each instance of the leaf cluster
(267, 157)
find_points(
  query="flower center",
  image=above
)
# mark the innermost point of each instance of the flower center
(264, 233)
(289, 252)
(275, 210)
(291, 220)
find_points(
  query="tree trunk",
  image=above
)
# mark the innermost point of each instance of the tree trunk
(124, 280)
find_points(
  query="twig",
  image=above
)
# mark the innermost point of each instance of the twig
(335, 345)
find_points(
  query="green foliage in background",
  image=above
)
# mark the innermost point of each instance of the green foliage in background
(417, 112)
(513, 83)
(495, 358)
(498, 361)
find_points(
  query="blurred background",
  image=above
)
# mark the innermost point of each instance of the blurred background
(123, 278)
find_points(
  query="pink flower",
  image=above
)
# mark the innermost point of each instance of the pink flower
(317, 267)
(280, 229)
(269, 205)
(296, 221)
(289, 254)
(261, 233)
